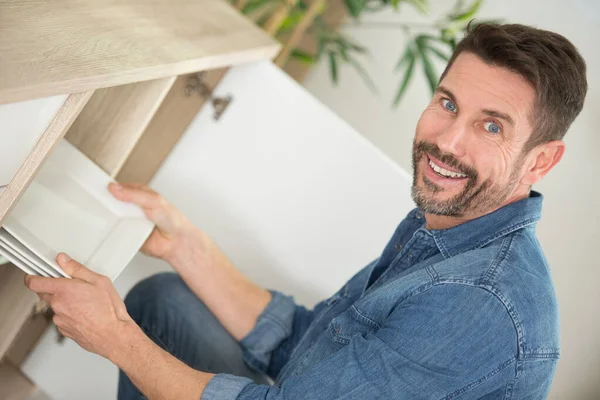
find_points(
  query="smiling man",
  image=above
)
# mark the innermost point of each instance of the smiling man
(460, 304)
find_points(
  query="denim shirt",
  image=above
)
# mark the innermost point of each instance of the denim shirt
(462, 313)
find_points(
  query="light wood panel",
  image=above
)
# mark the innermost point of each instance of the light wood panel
(14, 385)
(113, 120)
(175, 114)
(164, 130)
(69, 46)
(16, 305)
(28, 337)
(54, 132)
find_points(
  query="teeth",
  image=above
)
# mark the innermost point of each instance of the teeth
(445, 172)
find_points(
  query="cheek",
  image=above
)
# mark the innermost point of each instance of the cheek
(492, 161)
(504, 158)
(430, 123)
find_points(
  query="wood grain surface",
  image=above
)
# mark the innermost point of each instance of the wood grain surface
(13, 384)
(164, 130)
(16, 305)
(54, 132)
(69, 46)
(113, 120)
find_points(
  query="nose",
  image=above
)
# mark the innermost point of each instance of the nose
(453, 138)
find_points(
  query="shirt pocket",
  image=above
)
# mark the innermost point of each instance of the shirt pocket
(342, 328)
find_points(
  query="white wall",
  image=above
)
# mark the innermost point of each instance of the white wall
(569, 228)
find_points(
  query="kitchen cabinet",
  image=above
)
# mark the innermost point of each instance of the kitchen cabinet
(96, 73)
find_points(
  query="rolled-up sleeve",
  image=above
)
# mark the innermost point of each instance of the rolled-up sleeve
(447, 340)
(266, 347)
(274, 325)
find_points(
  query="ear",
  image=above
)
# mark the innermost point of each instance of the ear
(542, 159)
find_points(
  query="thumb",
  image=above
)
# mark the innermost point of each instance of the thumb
(75, 269)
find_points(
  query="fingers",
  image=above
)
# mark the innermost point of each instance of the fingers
(141, 195)
(75, 269)
(43, 285)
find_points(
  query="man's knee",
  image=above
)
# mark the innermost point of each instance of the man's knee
(161, 292)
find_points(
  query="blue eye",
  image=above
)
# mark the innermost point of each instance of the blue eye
(448, 105)
(492, 127)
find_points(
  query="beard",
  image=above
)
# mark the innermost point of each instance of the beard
(476, 197)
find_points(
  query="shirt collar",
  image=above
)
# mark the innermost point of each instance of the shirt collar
(485, 229)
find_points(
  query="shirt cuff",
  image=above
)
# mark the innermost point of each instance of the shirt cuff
(273, 325)
(225, 387)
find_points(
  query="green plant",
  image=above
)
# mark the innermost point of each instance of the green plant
(425, 42)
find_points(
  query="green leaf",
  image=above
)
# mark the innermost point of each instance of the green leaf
(320, 49)
(333, 67)
(420, 5)
(356, 47)
(293, 19)
(355, 7)
(303, 56)
(408, 73)
(468, 14)
(449, 37)
(396, 4)
(424, 42)
(409, 53)
(452, 43)
(363, 74)
(344, 53)
(438, 53)
(254, 5)
(432, 77)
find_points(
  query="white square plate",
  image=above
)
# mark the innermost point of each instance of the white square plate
(24, 265)
(18, 250)
(68, 208)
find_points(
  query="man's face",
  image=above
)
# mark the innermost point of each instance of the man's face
(467, 150)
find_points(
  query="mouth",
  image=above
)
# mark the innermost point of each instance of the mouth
(442, 173)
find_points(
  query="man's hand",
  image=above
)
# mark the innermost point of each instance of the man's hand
(174, 238)
(234, 300)
(87, 308)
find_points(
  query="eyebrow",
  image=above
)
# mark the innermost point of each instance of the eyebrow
(491, 113)
(498, 114)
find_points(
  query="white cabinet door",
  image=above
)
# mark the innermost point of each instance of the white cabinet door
(297, 199)
(21, 125)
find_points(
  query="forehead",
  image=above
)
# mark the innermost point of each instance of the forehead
(478, 85)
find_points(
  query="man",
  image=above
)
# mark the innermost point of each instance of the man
(460, 304)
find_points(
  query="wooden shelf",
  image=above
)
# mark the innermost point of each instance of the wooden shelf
(28, 337)
(70, 46)
(113, 120)
(14, 385)
(53, 133)
(164, 130)
(16, 305)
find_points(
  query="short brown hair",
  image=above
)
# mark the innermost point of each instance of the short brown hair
(547, 60)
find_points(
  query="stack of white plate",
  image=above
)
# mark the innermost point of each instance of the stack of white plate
(68, 208)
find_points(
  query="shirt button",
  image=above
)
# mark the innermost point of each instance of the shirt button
(419, 214)
(398, 246)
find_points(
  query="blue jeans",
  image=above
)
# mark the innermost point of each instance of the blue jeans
(176, 320)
